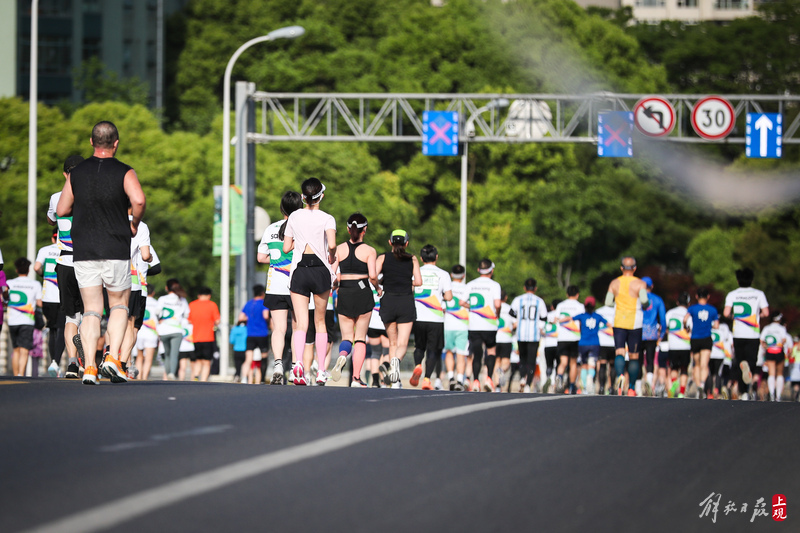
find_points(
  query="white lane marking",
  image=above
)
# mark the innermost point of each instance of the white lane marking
(155, 439)
(431, 395)
(116, 512)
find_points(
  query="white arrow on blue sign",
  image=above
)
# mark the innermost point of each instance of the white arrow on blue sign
(764, 135)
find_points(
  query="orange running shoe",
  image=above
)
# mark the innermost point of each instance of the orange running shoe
(631, 392)
(476, 386)
(414, 381)
(90, 375)
(426, 384)
(112, 368)
(488, 384)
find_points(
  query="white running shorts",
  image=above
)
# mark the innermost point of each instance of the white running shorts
(114, 274)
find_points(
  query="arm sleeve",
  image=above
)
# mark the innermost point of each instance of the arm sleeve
(609, 298)
(643, 297)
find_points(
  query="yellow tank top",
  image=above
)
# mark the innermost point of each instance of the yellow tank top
(628, 313)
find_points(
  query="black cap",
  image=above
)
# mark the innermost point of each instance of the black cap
(72, 162)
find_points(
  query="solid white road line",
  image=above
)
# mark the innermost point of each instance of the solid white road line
(118, 511)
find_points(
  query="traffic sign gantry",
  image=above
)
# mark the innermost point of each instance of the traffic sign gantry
(440, 133)
(654, 116)
(614, 134)
(764, 135)
(713, 118)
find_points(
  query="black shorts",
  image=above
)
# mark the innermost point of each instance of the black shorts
(568, 349)
(663, 358)
(487, 338)
(21, 336)
(607, 353)
(429, 336)
(679, 359)
(68, 291)
(398, 308)
(262, 343)
(310, 276)
(204, 351)
(632, 338)
(278, 302)
(504, 350)
(375, 333)
(777, 357)
(136, 304)
(746, 350)
(701, 344)
(585, 353)
(355, 298)
(186, 355)
(53, 315)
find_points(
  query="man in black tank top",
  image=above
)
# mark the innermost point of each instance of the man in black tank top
(96, 194)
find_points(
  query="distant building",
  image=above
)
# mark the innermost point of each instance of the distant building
(123, 34)
(654, 11)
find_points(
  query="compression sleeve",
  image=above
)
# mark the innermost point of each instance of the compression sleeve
(609, 298)
(643, 297)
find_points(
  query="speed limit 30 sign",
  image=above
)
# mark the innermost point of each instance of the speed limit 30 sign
(713, 118)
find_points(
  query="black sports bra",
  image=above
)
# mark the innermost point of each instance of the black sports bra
(352, 264)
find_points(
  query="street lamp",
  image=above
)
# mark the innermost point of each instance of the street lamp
(224, 349)
(469, 130)
(33, 129)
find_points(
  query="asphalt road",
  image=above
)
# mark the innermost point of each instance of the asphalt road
(196, 457)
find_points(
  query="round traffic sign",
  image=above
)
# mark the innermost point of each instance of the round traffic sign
(713, 118)
(654, 116)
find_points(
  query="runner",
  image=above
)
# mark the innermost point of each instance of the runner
(630, 295)
(794, 371)
(69, 294)
(703, 318)
(356, 271)
(484, 310)
(504, 338)
(777, 343)
(551, 345)
(24, 298)
(747, 306)
(45, 266)
(569, 335)
(256, 316)
(147, 338)
(429, 302)
(589, 345)
(531, 313)
(204, 318)
(174, 310)
(378, 342)
(679, 345)
(141, 257)
(277, 297)
(401, 273)
(654, 326)
(97, 193)
(312, 232)
(605, 371)
(720, 352)
(456, 329)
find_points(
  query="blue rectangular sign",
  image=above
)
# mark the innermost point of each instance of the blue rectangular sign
(440, 133)
(764, 135)
(615, 134)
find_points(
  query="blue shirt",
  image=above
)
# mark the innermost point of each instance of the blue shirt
(238, 338)
(653, 316)
(256, 323)
(703, 316)
(591, 324)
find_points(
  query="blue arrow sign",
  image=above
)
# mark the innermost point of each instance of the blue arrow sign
(615, 134)
(764, 135)
(440, 133)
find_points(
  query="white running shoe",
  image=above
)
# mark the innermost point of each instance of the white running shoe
(298, 376)
(322, 378)
(394, 372)
(336, 373)
(397, 385)
(527, 388)
(53, 369)
(437, 385)
(647, 390)
(357, 383)
(747, 376)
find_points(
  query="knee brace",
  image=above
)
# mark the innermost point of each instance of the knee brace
(345, 347)
(125, 307)
(92, 313)
(362, 342)
(74, 319)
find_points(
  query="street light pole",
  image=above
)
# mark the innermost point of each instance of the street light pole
(224, 348)
(33, 129)
(469, 131)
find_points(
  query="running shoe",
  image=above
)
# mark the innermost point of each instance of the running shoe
(53, 369)
(437, 385)
(277, 375)
(680, 395)
(660, 390)
(527, 388)
(488, 384)
(459, 387)
(546, 386)
(631, 392)
(647, 390)
(453, 384)
(133, 372)
(76, 340)
(357, 383)
(312, 372)
(112, 369)
(747, 376)
(90, 376)
(397, 385)
(298, 377)
(559, 384)
(336, 373)
(394, 373)
(744, 397)
(476, 386)
(384, 370)
(415, 375)
(72, 371)
(426, 384)
(673, 390)
(618, 384)
(501, 378)
(322, 378)
(725, 394)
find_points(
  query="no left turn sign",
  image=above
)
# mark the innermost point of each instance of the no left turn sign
(713, 118)
(654, 116)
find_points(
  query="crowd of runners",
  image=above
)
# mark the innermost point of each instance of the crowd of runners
(466, 335)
